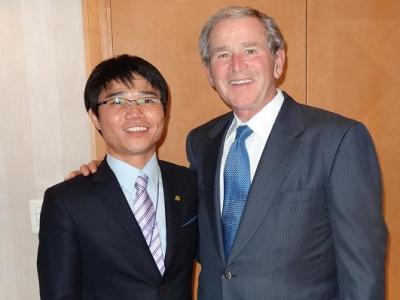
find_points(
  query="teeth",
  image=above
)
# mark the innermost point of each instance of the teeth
(241, 81)
(136, 129)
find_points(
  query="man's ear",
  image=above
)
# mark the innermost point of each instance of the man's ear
(209, 76)
(95, 120)
(280, 57)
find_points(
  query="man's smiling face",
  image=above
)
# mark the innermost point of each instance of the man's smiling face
(242, 69)
(130, 133)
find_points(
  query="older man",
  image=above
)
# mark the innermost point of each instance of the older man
(290, 195)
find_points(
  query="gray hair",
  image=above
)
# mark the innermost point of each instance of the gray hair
(275, 40)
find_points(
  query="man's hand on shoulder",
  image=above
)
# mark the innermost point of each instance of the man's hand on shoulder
(85, 169)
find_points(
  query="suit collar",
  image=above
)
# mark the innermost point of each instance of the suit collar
(274, 166)
(112, 196)
(221, 125)
(212, 164)
(171, 215)
(290, 118)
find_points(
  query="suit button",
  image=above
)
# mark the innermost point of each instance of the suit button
(227, 275)
(162, 290)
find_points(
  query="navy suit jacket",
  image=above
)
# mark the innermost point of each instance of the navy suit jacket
(312, 227)
(91, 246)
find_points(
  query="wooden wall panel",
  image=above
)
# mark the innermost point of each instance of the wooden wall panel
(354, 69)
(166, 32)
(98, 46)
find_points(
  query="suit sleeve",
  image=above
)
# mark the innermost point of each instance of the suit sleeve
(359, 231)
(58, 254)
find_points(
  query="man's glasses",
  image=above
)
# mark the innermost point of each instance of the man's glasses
(118, 103)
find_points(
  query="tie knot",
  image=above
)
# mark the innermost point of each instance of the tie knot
(141, 181)
(243, 132)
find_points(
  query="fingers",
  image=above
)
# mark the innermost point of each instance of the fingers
(84, 169)
(92, 166)
(72, 174)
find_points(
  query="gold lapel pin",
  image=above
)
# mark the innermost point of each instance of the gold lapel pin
(178, 198)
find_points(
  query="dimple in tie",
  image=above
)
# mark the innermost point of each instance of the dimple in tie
(145, 215)
(236, 186)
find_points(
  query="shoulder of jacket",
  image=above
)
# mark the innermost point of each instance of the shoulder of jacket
(206, 127)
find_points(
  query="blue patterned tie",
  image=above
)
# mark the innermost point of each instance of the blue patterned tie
(236, 186)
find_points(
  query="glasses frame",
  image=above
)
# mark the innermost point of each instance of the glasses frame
(141, 102)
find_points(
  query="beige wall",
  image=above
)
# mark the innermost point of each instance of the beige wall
(44, 131)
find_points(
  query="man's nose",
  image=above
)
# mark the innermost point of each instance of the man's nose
(132, 109)
(237, 62)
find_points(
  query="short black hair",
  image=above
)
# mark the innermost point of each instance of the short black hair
(122, 68)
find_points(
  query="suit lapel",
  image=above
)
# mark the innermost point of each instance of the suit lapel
(274, 166)
(170, 216)
(212, 165)
(111, 195)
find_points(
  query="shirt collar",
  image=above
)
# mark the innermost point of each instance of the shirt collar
(262, 119)
(126, 174)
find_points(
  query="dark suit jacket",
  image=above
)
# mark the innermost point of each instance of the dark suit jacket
(312, 227)
(91, 247)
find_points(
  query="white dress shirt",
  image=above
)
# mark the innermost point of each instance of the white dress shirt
(261, 124)
(126, 176)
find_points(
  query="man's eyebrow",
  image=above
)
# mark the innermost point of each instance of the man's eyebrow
(250, 44)
(139, 93)
(218, 49)
(224, 48)
(148, 93)
(113, 94)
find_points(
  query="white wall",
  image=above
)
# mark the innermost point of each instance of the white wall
(44, 132)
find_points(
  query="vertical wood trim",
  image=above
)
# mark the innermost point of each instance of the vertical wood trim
(106, 29)
(306, 53)
(97, 29)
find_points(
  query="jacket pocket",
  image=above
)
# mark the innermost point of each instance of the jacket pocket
(189, 221)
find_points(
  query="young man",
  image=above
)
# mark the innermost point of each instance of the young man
(130, 230)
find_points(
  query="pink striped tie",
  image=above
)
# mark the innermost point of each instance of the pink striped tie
(145, 215)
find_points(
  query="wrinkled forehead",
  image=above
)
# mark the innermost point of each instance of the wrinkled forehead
(236, 26)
